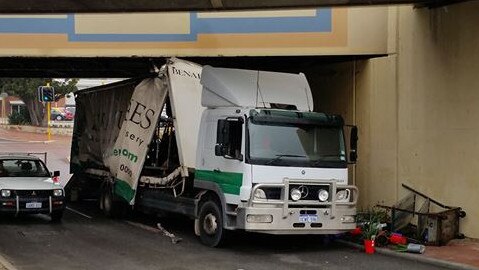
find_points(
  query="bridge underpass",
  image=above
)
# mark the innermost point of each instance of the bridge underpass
(92, 6)
(129, 67)
(387, 97)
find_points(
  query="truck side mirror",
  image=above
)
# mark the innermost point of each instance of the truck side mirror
(353, 144)
(222, 132)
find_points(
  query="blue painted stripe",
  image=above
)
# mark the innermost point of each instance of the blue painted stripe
(33, 25)
(319, 23)
(322, 22)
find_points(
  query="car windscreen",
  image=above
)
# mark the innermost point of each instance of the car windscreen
(23, 168)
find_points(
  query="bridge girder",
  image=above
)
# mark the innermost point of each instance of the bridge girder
(95, 6)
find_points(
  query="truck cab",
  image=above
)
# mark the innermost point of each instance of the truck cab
(274, 164)
(278, 171)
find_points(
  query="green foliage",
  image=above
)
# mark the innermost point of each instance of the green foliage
(19, 118)
(370, 221)
(26, 88)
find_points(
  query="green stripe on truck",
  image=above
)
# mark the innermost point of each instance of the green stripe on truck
(124, 190)
(229, 182)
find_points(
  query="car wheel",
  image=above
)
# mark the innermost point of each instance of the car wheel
(59, 118)
(56, 216)
(211, 229)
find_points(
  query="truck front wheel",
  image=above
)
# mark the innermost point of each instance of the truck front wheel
(211, 229)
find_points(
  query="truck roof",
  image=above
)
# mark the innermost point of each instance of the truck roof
(226, 87)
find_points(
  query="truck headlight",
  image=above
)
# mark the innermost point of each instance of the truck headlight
(6, 193)
(295, 194)
(57, 192)
(323, 195)
(259, 194)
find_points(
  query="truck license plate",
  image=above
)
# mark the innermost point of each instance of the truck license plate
(305, 218)
(33, 205)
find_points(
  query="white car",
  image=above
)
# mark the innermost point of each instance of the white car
(28, 187)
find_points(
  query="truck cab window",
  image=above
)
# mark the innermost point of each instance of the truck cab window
(228, 138)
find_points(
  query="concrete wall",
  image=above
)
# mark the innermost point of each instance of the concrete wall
(416, 108)
(418, 111)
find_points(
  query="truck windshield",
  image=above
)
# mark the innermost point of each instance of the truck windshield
(22, 168)
(289, 144)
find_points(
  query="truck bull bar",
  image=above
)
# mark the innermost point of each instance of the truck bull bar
(285, 202)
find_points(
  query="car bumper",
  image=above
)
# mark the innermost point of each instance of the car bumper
(37, 205)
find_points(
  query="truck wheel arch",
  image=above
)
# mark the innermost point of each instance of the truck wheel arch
(210, 189)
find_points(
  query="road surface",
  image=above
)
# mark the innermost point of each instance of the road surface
(87, 240)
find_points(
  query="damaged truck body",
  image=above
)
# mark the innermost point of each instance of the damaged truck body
(232, 149)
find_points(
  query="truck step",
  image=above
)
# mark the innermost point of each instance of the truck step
(231, 213)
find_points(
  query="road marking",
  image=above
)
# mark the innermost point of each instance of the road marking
(6, 264)
(78, 212)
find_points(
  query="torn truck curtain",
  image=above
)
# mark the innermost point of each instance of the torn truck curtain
(113, 136)
(126, 160)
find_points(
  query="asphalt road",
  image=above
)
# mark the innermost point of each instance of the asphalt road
(87, 240)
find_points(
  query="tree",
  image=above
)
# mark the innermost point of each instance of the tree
(26, 89)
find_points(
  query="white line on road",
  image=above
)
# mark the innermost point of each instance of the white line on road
(79, 213)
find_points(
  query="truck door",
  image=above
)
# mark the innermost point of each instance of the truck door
(229, 156)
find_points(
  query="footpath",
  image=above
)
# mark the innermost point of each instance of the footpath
(29, 134)
(457, 254)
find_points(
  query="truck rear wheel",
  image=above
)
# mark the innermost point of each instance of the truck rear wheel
(112, 207)
(211, 229)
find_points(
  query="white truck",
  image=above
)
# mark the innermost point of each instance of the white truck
(233, 149)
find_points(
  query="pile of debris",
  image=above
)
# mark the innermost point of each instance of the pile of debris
(412, 223)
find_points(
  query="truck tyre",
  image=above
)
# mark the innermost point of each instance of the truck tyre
(112, 207)
(56, 216)
(211, 229)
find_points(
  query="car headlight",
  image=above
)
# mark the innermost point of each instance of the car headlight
(342, 195)
(295, 194)
(6, 193)
(57, 192)
(259, 194)
(323, 195)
